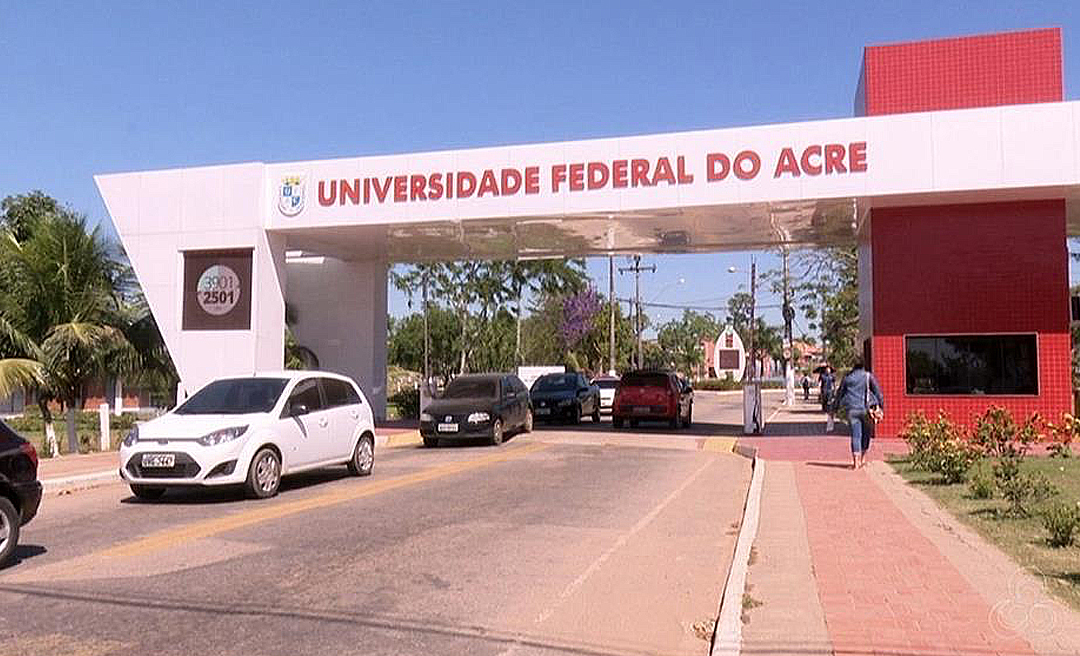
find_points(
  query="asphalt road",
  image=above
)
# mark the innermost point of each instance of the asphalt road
(572, 540)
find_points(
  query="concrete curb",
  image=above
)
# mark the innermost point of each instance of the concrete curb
(399, 440)
(727, 636)
(99, 477)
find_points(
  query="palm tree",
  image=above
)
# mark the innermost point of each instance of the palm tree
(62, 314)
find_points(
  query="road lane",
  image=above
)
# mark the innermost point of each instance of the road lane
(565, 549)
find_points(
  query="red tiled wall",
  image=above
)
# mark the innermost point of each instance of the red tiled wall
(976, 71)
(978, 268)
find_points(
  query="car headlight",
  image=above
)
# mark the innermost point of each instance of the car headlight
(566, 401)
(478, 417)
(132, 437)
(222, 436)
(426, 417)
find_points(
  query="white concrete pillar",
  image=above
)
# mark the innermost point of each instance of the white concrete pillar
(341, 316)
(118, 396)
(103, 424)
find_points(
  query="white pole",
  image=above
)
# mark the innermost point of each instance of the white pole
(103, 419)
(118, 400)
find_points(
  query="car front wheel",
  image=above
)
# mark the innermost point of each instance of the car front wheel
(497, 432)
(9, 529)
(264, 474)
(528, 425)
(363, 458)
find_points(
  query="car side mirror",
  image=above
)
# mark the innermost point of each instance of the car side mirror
(297, 409)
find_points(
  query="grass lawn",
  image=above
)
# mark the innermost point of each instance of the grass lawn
(1023, 539)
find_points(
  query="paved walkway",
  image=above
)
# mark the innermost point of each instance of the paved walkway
(846, 564)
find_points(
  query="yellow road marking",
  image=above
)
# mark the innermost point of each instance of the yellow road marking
(722, 444)
(403, 439)
(205, 528)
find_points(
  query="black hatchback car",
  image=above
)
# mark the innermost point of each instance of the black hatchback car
(20, 491)
(478, 406)
(565, 396)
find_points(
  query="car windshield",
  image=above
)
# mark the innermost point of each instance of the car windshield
(645, 380)
(234, 396)
(556, 383)
(470, 388)
(606, 383)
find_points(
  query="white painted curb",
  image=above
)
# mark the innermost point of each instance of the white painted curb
(727, 639)
(53, 483)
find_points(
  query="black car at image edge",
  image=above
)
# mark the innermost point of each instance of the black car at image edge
(20, 491)
(478, 406)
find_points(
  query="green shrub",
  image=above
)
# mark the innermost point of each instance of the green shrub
(981, 485)
(1021, 489)
(953, 459)
(926, 439)
(407, 402)
(1062, 521)
(1063, 434)
(998, 435)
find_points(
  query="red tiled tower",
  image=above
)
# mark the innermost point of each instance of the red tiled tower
(925, 271)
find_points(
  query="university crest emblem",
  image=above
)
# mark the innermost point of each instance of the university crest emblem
(291, 195)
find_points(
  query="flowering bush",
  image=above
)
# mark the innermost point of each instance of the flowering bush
(1062, 435)
(999, 436)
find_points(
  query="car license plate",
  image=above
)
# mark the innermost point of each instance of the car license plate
(447, 428)
(543, 411)
(642, 409)
(162, 460)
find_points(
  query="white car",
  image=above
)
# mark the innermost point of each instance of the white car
(252, 430)
(607, 385)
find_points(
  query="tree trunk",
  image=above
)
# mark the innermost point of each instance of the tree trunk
(72, 438)
(51, 445)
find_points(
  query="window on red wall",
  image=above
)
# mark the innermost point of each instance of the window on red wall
(971, 364)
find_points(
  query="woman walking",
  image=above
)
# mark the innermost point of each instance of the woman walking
(861, 396)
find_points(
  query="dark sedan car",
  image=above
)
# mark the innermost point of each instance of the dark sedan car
(478, 406)
(20, 491)
(565, 396)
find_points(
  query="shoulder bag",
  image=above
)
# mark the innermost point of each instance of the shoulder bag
(875, 413)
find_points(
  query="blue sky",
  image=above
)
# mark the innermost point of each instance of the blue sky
(116, 86)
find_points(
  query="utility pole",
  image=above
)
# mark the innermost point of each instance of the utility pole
(789, 316)
(427, 339)
(637, 269)
(611, 310)
(753, 317)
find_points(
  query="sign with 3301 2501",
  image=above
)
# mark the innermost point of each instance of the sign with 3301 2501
(217, 290)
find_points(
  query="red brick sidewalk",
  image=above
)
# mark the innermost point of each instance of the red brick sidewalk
(883, 586)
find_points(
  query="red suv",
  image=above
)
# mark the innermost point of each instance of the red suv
(652, 396)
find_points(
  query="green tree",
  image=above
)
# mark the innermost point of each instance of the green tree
(479, 292)
(62, 310)
(20, 213)
(826, 288)
(680, 340)
(405, 344)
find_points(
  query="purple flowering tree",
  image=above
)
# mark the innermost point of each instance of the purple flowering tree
(579, 312)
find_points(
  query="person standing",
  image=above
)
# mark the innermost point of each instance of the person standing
(828, 380)
(805, 387)
(860, 395)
